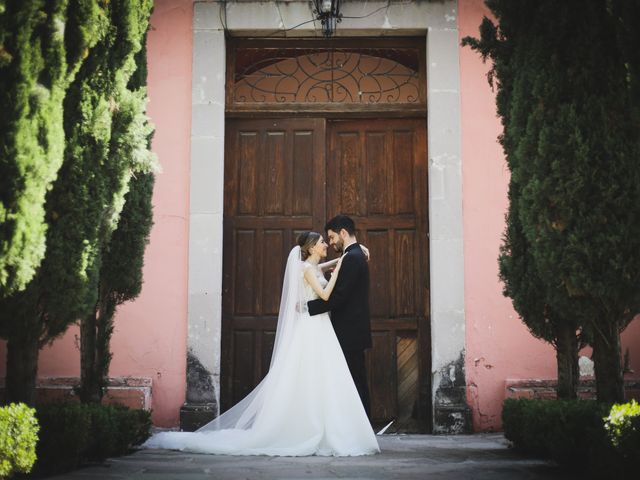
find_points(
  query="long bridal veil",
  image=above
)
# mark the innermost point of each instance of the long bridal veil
(307, 404)
(242, 415)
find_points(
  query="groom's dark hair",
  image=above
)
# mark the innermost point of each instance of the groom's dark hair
(339, 222)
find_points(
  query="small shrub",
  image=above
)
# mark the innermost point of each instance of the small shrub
(64, 434)
(102, 442)
(116, 429)
(18, 438)
(623, 428)
(76, 433)
(134, 428)
(569, 432)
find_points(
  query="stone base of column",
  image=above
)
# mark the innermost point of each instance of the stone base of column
(452, 419)
(451, 413)
(193, 416)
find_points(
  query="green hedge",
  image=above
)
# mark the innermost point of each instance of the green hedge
(580, 434)
(64, 434)
(73, 434)
(18, 438)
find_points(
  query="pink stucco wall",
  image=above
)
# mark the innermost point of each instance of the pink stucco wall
(498, 346)
(150, 333)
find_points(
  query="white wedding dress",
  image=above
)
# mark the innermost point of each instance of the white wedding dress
(307, 404)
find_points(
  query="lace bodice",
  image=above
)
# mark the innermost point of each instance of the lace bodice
(309, 293)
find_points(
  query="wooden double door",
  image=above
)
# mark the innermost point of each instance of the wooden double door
(284, 176)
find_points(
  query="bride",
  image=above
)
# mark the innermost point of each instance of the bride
(307, 404)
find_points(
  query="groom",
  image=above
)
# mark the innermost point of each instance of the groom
(349, 302)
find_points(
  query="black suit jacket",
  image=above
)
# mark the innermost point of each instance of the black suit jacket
(349, 302)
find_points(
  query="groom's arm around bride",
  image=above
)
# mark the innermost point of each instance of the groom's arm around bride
(349, 303)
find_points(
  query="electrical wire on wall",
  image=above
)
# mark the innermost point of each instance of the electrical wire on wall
(222, 14)
(283, 30)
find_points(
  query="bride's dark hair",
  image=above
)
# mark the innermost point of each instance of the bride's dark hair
(306, 241)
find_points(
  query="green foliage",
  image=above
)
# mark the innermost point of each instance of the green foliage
(120, 281)
(36, 69)
(570, 258)
(115, 430)
(75, 433)
(106, 134)
(18, 438)
(566, 430)
(623, 427)
(35, 72)
(577, 434)
(626, 15)
(121, 272)
(125, 236)
(64, 434)
(102, 151)
(134, 428)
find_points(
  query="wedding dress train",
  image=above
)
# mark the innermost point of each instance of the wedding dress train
(307, 404)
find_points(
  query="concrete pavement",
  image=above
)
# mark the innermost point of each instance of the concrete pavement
(478, 457)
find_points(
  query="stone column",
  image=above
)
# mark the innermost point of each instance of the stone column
(451, 413)
(205, 218)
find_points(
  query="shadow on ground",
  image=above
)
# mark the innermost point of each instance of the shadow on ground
(478, 457)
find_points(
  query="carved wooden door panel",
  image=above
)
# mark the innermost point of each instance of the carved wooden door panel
(377, 174)
(276, 186)
(274, 189)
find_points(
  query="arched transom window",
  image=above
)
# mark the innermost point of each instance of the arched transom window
(275, 76)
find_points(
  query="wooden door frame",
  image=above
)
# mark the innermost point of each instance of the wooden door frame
(348, 112)
(423, 318)
(438, 25)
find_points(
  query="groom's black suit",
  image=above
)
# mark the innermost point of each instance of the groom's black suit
(349, 307)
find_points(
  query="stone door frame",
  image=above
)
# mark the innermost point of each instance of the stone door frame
(438, 22)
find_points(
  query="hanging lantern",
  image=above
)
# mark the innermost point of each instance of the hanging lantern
(328, 12)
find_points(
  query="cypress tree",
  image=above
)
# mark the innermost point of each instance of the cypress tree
(123, 253)
(570, 259)
(120, 281)
(626, 15)
(42, 45)
(83, 207)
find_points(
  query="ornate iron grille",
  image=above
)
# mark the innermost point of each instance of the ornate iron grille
(334, 75)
